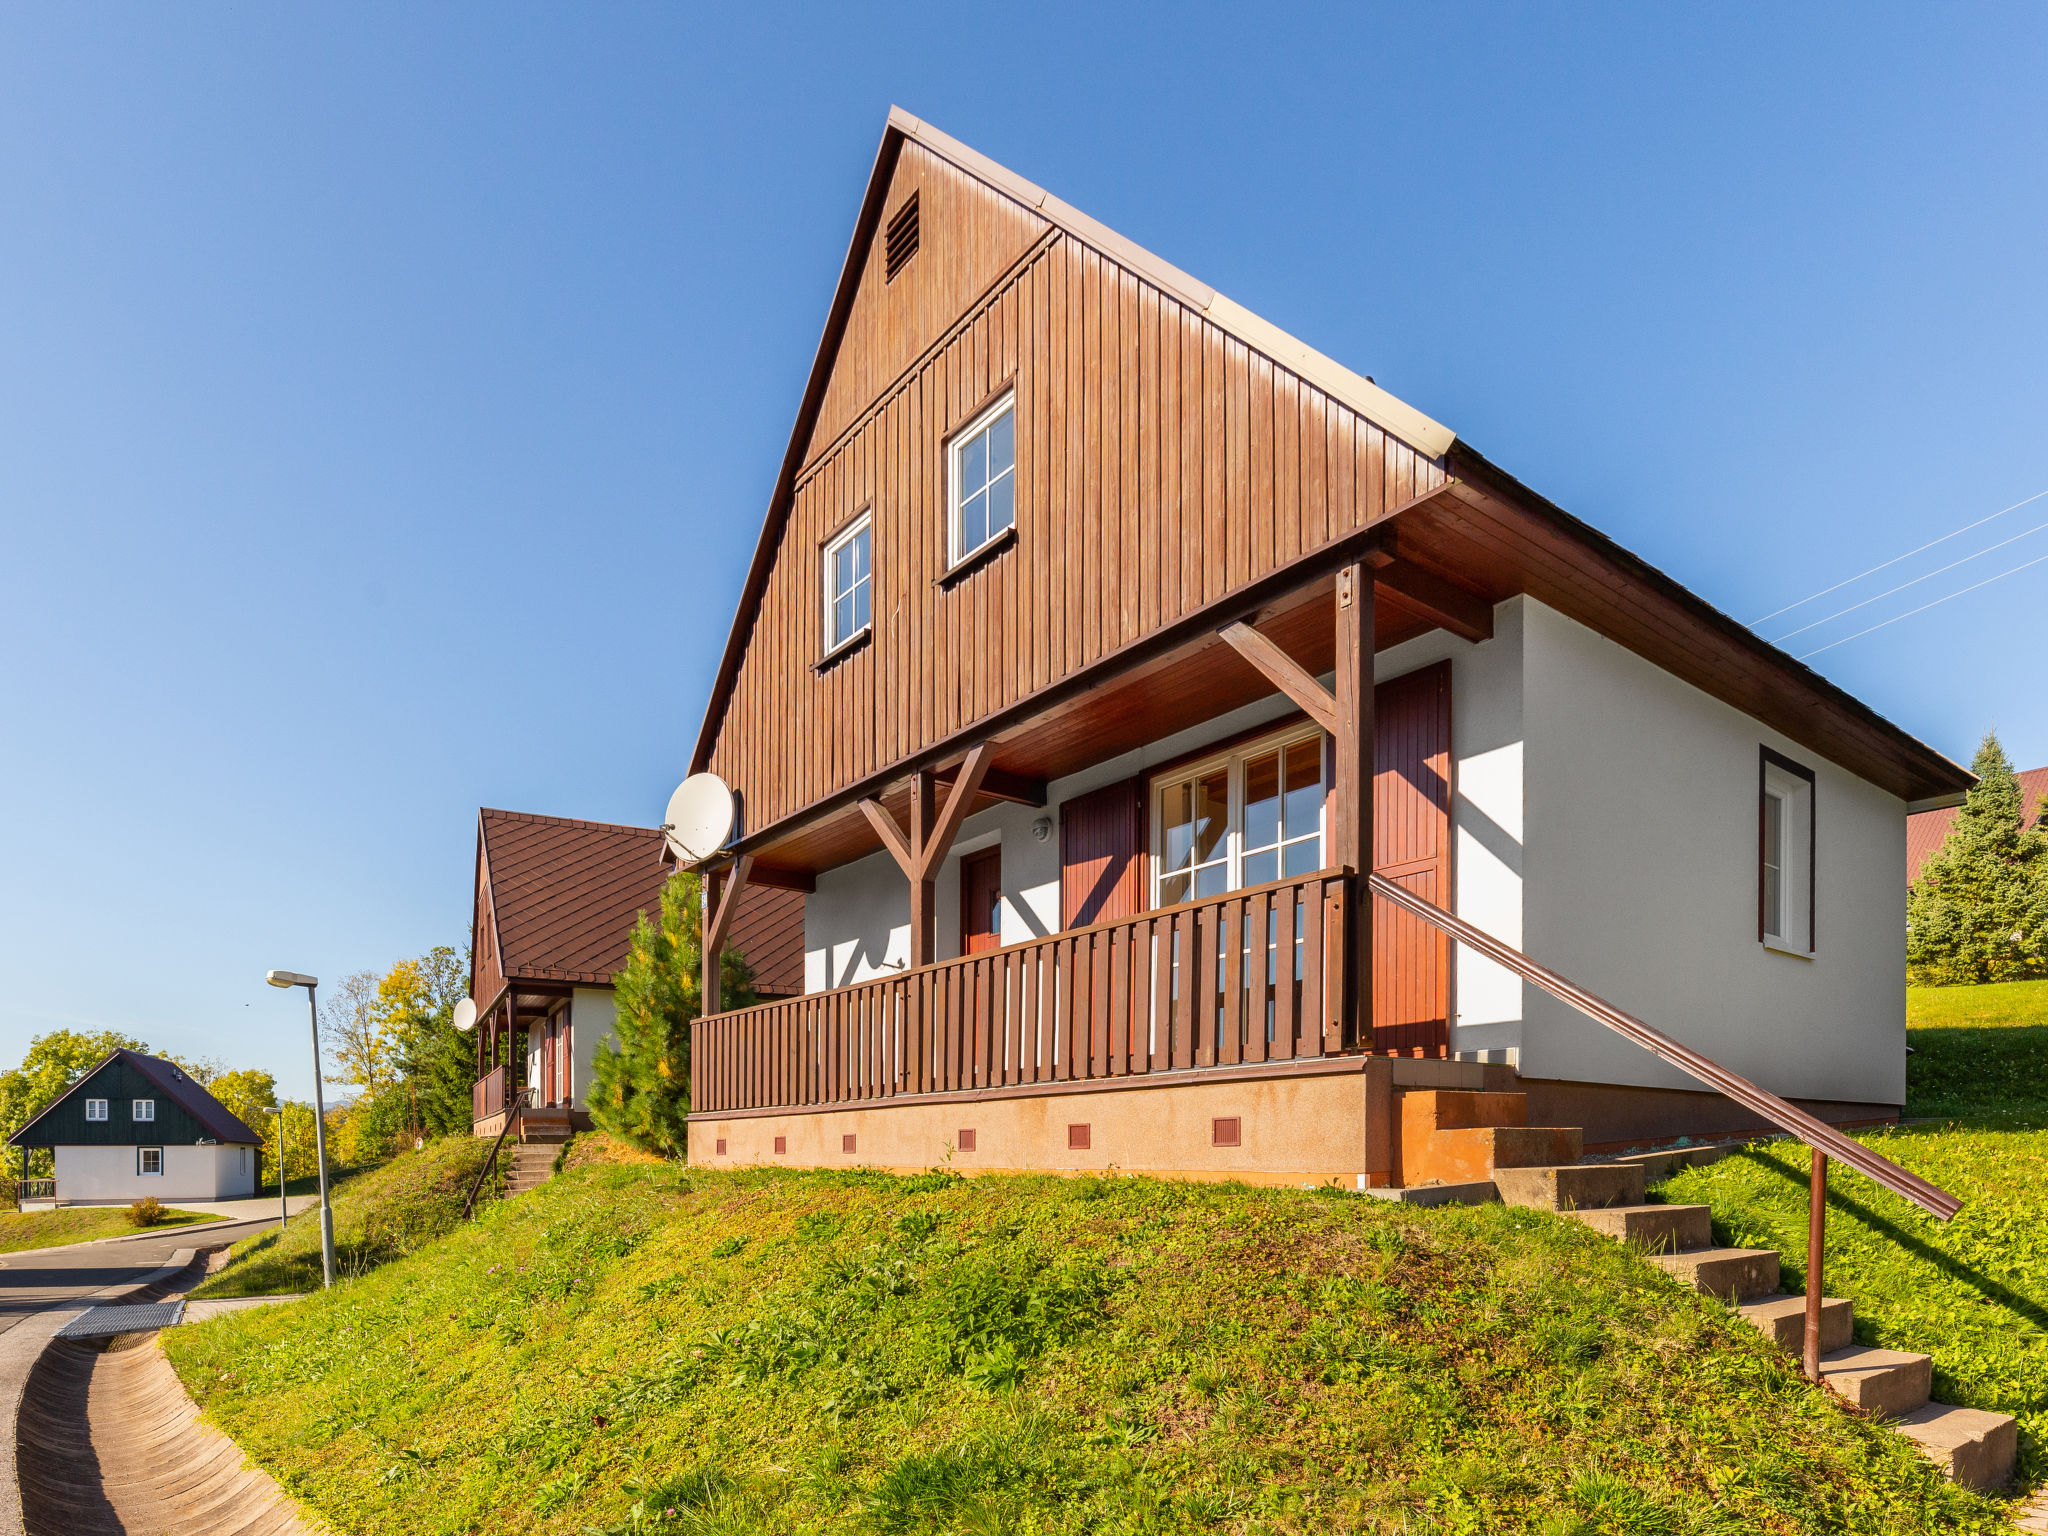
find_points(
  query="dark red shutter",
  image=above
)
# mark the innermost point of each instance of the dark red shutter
(1411, 846)
(1102, 855)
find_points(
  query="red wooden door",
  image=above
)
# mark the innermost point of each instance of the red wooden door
(1102, 855)
(981, 898)
(1411, 843)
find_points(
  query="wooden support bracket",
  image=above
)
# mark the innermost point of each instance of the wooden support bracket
(1284, 673)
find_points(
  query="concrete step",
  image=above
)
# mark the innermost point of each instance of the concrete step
(1887, 1382)
(1659, 1228)
(1733, 1274)
(1572, 1186)
(1782, 1320)
(1452, 1109)
(1658, 1166)
(1467, 1154)
(1972, 1446)
(1477, 1192)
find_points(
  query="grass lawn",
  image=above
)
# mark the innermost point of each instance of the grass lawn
(1979, 1053)
(638, 1347)
(380, 1214)
(81, 1224)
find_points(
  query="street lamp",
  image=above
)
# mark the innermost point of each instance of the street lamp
(284, 1214)
(311, 984)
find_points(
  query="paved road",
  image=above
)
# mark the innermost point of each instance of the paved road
(51, 1277)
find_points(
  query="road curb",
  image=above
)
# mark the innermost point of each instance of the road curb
(23, 1345)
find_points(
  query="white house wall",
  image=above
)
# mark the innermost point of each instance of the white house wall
(88, 1175)
(592, 1013)
(1641, 866)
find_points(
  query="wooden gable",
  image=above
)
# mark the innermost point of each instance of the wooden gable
(1161, 463)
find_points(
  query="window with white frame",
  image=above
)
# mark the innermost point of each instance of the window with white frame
(149, 1160)
(95, 1109)
(1243, 817)
(849, 583)
(983, 478)
(145, 1109)
(1785, 854)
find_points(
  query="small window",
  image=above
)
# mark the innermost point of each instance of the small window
(1785, 854)
(145, 1109)
(244, 1160)
(984, 479)
(848, 585)
(95, 1109)
(149, 1160)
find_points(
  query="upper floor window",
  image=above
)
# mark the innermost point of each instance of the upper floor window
(95, 1109)
(1241, 818)
(984, 479)
(849, 582)
(1785, 854)
(145, 1109)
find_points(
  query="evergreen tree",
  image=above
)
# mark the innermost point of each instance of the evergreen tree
(641, 1090)
(1979, 911)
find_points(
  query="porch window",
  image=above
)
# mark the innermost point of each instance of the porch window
(145, 1109)
(1785, 854)
(849, 582)
(1241, 818)
(95, 1109)
(983, 478)
(149, 1160)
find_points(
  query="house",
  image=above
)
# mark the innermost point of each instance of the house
(138, 1125)
(1927, 830)
(1101, 635)
(555, 904)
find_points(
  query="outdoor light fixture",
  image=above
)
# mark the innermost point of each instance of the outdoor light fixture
(311, 984)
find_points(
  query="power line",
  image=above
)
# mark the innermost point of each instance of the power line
(1816, 624)
(1909, 554)
(1925, 606)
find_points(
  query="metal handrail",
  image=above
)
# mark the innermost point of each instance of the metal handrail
(1824, 1139)
(513, 1107)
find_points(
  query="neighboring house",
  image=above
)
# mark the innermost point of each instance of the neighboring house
(136, 1125)
(555, 904)
(1100, 632)
(1927, 830)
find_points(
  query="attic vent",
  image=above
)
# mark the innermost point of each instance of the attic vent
(901, 237)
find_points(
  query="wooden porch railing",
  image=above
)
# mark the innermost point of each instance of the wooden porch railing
(1251, 976)
(34, 1189)
(487, 1096)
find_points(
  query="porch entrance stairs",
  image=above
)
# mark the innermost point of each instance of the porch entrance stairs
(1463, 1138)
(541, 1139)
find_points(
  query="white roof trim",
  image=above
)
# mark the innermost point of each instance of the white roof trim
(1262, 336)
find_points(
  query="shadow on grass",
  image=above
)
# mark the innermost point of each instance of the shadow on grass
(1913, 1243)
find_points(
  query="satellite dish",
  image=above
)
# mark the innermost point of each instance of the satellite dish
(699, 819)
(465, 1015)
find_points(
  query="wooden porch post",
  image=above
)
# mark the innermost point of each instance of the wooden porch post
(1351, 814)
(716, 926)
(924, 889)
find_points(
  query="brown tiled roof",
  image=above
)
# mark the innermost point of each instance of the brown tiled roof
(565, 895)
(1926, 832)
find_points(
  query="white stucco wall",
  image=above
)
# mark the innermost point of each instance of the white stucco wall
(1604, 820)
(107, 1174)
(591, 1014)
(1640, 862)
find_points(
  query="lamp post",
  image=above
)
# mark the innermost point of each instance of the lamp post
(284, 1214)
(311, 984)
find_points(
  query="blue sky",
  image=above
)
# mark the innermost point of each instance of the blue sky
(389, 396)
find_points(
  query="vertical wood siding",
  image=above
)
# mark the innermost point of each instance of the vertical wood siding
(1160, 464)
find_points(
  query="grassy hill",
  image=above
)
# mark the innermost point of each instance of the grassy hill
(642, 1348)
(380, 1214)
(21, 1230)
(1978, 1052)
